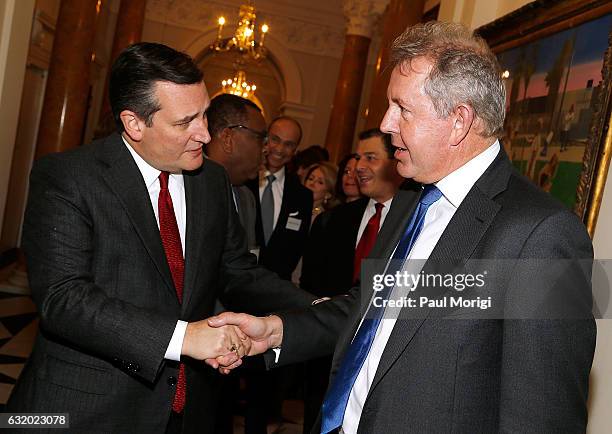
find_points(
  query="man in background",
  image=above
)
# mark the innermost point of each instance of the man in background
(284, 204)
(238, 134)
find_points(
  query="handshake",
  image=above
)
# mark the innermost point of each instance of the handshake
(223, 340)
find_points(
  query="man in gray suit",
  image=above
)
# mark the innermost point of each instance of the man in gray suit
(522, 365)
(129, 242)
(238, 134)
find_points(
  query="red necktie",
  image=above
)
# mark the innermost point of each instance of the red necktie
(368, 238)
(171, 240)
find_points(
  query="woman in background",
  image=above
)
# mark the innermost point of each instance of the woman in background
(347, 188)
(321, 180)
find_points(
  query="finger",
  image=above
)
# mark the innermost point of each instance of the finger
(212, 363)
(240, 333)
(228, 369)
(227, 359)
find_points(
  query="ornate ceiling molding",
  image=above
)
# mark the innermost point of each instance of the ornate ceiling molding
(309, 31)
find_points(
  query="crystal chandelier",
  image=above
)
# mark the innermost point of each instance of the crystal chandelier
(239, 86)
(243, 39)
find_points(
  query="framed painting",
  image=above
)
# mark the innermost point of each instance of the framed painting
(556, 62)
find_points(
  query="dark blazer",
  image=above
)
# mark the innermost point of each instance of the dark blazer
(286, 246)
(327, 266)
(104, 292)
(447, 370)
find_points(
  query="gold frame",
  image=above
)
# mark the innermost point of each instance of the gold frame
(543, 18)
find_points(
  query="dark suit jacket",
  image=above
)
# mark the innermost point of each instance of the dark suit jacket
(286, 246)
(327, 266)
(247, 213)
(105, 296)
(449, 371)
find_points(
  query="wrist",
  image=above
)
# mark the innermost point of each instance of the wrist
(275, 331)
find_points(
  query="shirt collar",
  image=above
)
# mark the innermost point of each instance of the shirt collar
(279, 176)
(149, 173)
(372, 204)
(456, 185)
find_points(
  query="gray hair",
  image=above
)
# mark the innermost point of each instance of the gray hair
(464, 70)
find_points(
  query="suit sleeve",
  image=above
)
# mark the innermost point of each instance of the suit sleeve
(58, 242)
(549, 333)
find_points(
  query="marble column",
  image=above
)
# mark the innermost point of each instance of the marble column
(400, 14)
(65, 103)
(361, 16)
(128, 31)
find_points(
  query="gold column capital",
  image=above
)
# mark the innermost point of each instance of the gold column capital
(363, 15)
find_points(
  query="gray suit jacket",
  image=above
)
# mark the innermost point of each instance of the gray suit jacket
(447, 370)
(106, 300)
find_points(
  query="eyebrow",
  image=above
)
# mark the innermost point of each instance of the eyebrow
(188, 118)
(400, 101)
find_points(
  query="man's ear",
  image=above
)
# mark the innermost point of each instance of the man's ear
(463, 119)
(227, 141)
(132, 124)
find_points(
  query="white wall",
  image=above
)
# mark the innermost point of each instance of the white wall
(15, 26)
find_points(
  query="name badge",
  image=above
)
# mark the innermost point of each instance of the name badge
(293, 224)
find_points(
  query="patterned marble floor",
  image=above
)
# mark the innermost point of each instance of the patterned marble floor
(18, 327)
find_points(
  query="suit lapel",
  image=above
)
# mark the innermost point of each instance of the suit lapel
(476, 212)
(288, 194)
(124, 179)
(195, 199)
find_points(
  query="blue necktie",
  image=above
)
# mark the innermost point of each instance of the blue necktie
(337, 396)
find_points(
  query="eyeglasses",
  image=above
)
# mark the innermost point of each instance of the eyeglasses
(262, 136)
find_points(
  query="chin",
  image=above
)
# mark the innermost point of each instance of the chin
(193, 164)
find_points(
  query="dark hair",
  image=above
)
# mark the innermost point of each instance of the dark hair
(135, 72)
(227, 109)
(309, 156)
(386, 138)
(288, 118)
(341, 167)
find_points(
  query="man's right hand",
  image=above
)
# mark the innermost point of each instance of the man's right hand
(203, 342)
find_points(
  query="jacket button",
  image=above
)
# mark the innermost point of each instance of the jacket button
(172, 381)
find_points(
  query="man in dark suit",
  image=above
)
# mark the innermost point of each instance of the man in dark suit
(238, 133)
(522, 365)
(129, 242)
(328, 267)
(284, 205)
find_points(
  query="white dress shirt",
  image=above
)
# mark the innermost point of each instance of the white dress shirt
(277, 190)
(368, 213)
(176, 186)
(454, 188)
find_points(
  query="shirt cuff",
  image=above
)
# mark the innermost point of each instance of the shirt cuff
(176, 343)
(277, 352)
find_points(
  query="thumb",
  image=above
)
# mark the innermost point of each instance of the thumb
(226, 318)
